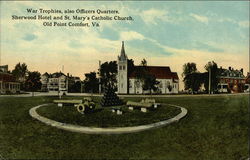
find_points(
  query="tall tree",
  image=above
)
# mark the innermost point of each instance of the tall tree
(20, 71)
(90, 83)
(188, 68)
(33, 82)
(108, 73)
(212, 67)
(193, 81)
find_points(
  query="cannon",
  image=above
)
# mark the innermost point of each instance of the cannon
(82, 106)
(85, 107)
(143, 105)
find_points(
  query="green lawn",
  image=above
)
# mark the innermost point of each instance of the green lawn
(103, 116)
(215, 128)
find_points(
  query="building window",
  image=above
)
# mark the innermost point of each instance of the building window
(124, 67)
(130, 84)
(122, 85)
(137, 84)
(160, 85)
(120, 67)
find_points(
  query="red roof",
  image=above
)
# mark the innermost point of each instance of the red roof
(158, 71)
(6, 77)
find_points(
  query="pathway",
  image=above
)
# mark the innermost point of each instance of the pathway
(95, 130)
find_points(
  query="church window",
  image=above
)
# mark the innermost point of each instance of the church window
(137, 84)
(120, 67)
(160, 85)
(130, 84)
(124, 67)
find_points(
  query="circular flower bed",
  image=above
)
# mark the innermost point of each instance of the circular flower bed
(104, 117)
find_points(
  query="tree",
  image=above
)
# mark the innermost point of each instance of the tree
(150, 83)
(193, 81)
(144, 62)
(20, 72)
(188, 69)
(75, 87)
(90, 83)
(108, 73)
(213, 68)
(131, 66)
(33, 82)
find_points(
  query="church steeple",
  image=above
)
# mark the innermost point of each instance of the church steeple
(122, 69)
(123, 55)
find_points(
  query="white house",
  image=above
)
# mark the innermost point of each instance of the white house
(54, 82)
(129, 84)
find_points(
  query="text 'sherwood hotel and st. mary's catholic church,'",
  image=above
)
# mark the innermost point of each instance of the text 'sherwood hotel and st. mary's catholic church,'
(128, 83)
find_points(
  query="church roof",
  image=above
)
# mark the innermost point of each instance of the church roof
(123, 55)
(159, 72)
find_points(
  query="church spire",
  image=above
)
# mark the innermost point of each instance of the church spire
(123, 54)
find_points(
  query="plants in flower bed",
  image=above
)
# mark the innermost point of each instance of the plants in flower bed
(104, 117)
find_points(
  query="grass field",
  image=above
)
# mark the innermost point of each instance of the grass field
(216, 128)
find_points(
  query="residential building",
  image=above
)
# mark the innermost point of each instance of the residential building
(44, 80)
(8, 83)
(54, 82)
(231, 80)
(129, 84)
(247, 83)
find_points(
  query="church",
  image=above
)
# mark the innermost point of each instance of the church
(129, 84)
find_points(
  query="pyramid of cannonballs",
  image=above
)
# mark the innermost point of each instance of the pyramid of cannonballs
(110, 98)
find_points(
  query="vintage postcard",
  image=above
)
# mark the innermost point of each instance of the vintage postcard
(124, 80)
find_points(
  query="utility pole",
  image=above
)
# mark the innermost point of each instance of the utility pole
(209, 81)
(81, 86)
(100, 86)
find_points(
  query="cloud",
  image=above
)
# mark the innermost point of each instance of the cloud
(152, 15)
(131, 35)
(75, 44)
(29, 37)
(244, 24)
(200, 18)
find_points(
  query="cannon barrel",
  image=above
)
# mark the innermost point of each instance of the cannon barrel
(139, 104)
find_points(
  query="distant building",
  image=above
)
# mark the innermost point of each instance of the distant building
(247, 82)
(57, 82)
(231, 80)
(128, 84)
(54, 82)
(8, 83)
(44, 80)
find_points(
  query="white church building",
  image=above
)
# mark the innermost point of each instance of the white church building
(129, 84)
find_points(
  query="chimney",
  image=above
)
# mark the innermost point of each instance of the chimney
(241, 70)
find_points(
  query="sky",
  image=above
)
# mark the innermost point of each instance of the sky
(165, 33)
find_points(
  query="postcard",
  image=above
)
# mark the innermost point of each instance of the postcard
(124, 80)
